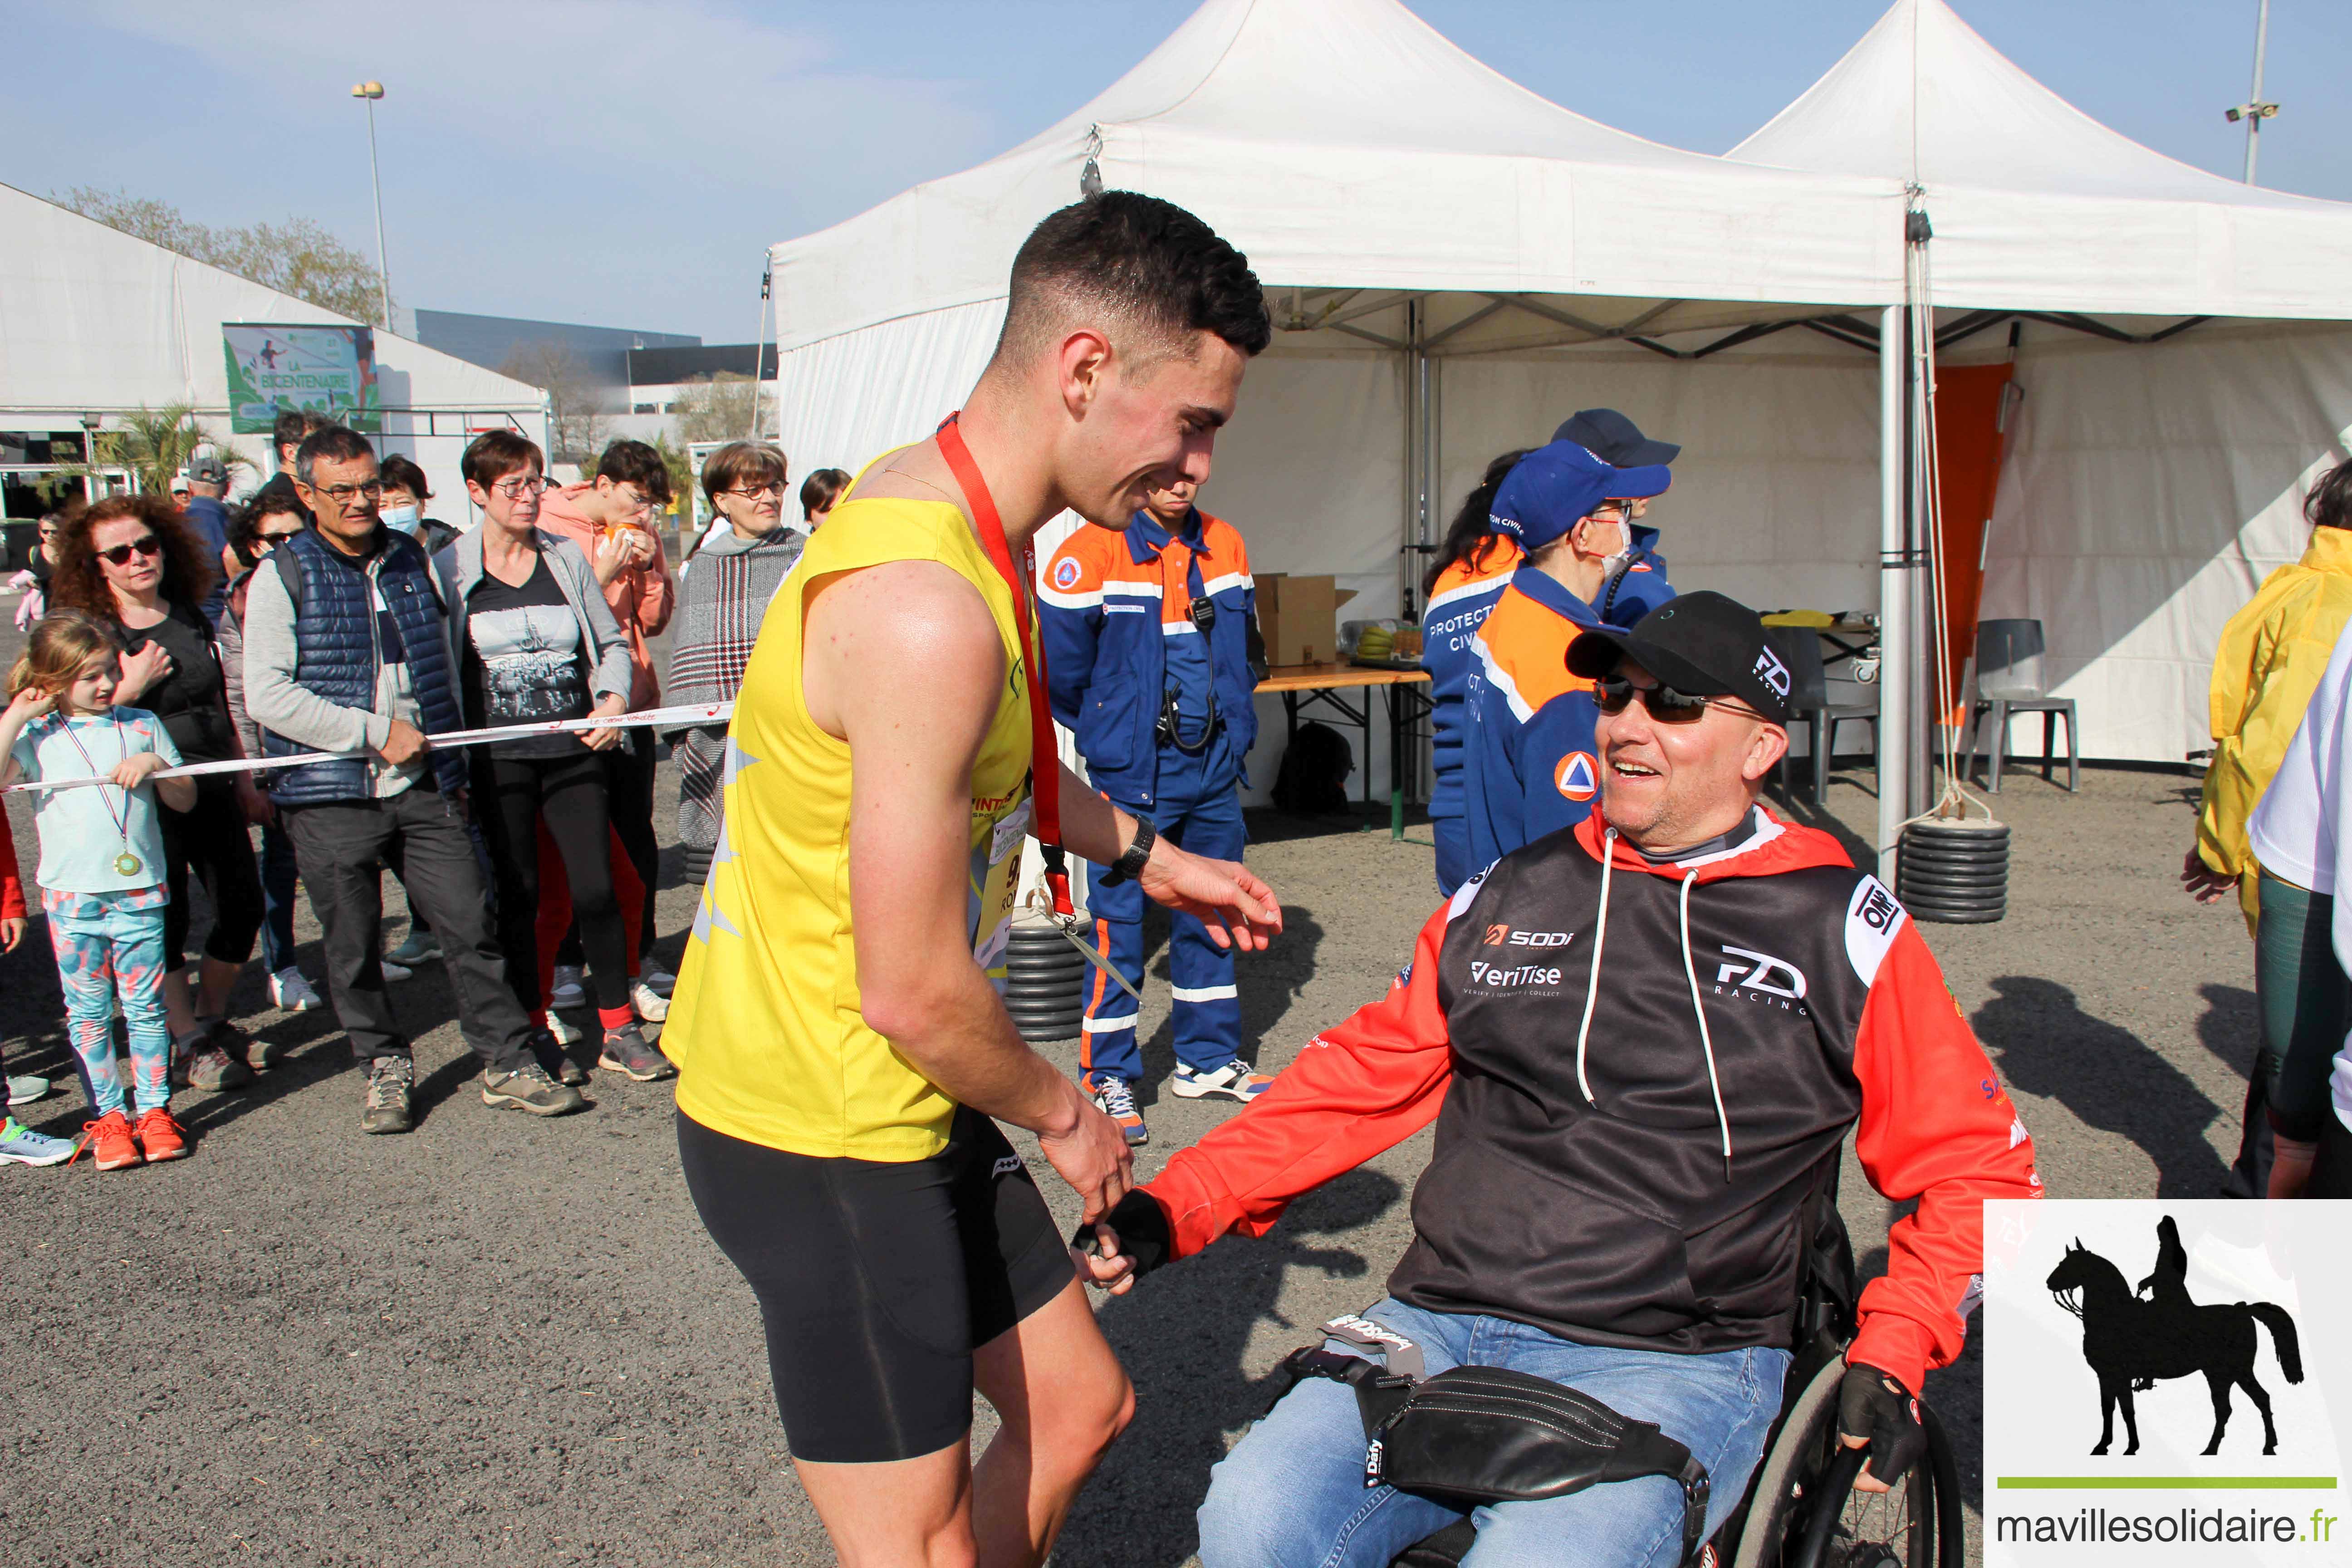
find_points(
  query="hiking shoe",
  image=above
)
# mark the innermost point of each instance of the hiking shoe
(26, 1090)
(651, 1004)
(20, 1145)
(1235, 1081)
(625, 1051)
(1115, 1097)
(528, 1088)
(110, 1143)
(550, 1055)
(655, 979)
(291, 991)
(160, 1138)
(391, 1081)
(570, 987)
(562, 1032)
(211, 1068)
(421, 948)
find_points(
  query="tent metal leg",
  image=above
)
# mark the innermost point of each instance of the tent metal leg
(1895, 620)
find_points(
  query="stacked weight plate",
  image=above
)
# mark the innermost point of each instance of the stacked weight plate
(1044, 982)
(1954, 872)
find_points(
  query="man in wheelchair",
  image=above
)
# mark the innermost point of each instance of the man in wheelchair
(1626, 1145)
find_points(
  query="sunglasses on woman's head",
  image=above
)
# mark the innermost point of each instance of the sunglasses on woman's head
(1665, 704)
(120, 554)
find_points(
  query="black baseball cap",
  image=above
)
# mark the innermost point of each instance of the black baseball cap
(1706, 644)
(1614, 439)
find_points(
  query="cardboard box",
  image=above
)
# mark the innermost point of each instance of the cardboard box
(1300, 617)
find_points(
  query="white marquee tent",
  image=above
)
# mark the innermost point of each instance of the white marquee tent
(1411, 212)
(95, 322)
(1455, 264)
(2150, 485)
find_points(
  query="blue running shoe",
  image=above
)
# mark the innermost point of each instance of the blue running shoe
(20, 1145)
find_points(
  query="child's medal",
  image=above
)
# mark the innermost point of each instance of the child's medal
(125, 864)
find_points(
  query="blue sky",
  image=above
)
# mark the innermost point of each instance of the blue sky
(625, 161)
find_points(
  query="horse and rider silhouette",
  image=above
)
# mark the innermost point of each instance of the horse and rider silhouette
(2130, 1342)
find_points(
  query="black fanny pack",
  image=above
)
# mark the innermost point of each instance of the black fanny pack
(1477, 1435)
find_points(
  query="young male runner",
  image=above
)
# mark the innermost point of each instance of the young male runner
(840, 1047)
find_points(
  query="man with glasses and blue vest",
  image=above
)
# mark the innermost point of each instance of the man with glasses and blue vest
(347, 650)
(1147, 653)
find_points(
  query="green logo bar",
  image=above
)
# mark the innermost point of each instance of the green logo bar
(2166, 1483)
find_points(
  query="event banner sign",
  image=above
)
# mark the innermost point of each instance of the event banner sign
(273, 367)
(2163, 1381)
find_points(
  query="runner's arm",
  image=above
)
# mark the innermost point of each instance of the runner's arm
(905, 664)
(1936, 1126)
(1236, 906)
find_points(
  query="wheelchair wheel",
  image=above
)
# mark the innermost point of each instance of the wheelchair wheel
(1803, 1512)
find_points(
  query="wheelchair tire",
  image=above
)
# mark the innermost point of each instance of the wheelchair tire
(1805, 1470)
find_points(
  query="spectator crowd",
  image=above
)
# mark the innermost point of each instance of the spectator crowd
(327, 629)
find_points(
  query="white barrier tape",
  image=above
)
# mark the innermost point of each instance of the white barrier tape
(687, 717)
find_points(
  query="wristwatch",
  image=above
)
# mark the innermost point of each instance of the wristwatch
(1131, 863)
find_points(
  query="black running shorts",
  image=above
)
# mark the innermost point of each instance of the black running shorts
(877, 1279)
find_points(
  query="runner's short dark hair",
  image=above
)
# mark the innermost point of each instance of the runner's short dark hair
(295, 424)
(634, 463)
(495, 454)
(332, 442)
(1134, 258)
(403, 472)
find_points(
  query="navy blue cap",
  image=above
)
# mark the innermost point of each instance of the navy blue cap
(1614, 439)
(1552, 488)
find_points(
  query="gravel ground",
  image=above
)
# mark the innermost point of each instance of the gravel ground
(505, 1341)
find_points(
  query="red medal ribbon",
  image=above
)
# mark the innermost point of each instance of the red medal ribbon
(1045, 759)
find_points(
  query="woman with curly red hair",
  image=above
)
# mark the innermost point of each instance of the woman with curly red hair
(131, 561)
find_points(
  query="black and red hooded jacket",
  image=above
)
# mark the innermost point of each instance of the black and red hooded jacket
(1640, 1073)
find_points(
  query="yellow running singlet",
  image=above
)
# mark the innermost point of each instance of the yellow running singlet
(765, 1029)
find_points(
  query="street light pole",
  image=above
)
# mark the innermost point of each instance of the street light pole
(2253, 111)
(373, 91)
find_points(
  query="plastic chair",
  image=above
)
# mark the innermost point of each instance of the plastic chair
(1809, 705)
(2009, 682)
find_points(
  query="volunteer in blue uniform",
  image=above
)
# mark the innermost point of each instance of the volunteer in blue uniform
(1637, 583)
(1474, 565)
(1530, 765)
(1147, 654)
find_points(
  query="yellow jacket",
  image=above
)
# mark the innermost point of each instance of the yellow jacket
(2273, 653)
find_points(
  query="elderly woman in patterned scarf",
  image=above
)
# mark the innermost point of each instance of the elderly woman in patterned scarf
(736, 570)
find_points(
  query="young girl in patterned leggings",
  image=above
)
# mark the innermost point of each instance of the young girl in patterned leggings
(101, 871)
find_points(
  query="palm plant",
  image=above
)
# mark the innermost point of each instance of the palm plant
(154, 444)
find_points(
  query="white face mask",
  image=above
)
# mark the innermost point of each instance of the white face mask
(404, 518)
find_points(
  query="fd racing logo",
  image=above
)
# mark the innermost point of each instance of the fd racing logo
(1761, 977)
(1772, 672)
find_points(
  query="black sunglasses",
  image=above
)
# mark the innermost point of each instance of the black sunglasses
(120, 554)
(1665, 704)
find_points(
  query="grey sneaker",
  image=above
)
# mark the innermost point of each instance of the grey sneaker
(420, 948)
(391, 1079)
(650, 1004)
(211, 1068)
(625, 1051)
(1115, 1097)
(569, 987)
(528, 1088)
(27, 1089)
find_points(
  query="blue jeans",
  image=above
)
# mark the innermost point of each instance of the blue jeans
(1292, 1495)
(1200, 810)
(278, 886)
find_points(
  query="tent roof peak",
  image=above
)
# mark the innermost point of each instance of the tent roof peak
(1923, 97)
